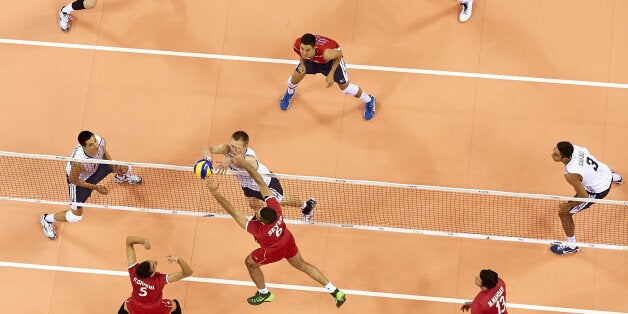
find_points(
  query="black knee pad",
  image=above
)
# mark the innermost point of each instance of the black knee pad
(78, 5)
(178, 310)
(122, 310)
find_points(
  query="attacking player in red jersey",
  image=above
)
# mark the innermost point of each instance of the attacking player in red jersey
(492, 298)
(319, 54)
(275, 240)
(148, 284)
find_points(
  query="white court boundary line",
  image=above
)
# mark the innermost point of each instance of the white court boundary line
(301, 288)
(293, 62)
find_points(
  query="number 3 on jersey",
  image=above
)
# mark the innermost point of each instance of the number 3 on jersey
(592, 163)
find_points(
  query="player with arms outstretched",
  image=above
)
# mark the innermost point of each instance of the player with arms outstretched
(275, 240)
(240, 141)
(148, 284)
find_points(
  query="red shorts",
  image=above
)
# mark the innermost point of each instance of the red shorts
(162, 307)
(287, 248)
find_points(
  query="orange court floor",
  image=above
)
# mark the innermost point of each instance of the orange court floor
(448, 128)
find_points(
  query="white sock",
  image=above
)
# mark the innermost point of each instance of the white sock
(49, 218)
(330, 287)
(464, 1)
(263, 291)
(304, 205)
(571, 239)
(365, 97)
(67, 9)
(291, 86)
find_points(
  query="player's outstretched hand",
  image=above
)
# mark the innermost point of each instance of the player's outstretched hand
(329, 80)
(146, 244)
(222, 166)
(466, 306)
(102, 189)
(173, 258)
(239, 160)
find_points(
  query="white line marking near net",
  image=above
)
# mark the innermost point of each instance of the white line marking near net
(294, 62)
(81, 270)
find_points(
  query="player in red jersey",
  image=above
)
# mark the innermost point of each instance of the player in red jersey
(319, 54)
(148, 284)
(275, 240)
(492, 298)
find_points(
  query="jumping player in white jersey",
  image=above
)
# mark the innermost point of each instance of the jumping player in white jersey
(590, 178)
(240, 141)
(83, 178)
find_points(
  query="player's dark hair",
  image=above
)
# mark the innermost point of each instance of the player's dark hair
(308, 39)
(489, 278)
(241, 135)
(268, 215)
(143, 270)
(565, 149)
(84, 136)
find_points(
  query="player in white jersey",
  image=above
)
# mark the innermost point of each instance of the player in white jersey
(239, 143)
(83, 178)
(589, 177)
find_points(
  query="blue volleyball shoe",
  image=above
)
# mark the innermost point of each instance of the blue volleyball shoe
(284, 104)
(561, 249)
(369, 109)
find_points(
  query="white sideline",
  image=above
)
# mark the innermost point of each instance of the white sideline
(293, 62)
(302, 288)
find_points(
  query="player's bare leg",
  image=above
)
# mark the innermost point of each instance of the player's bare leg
(262, 295)
(299, 263)
(566, 218)
(355, 91)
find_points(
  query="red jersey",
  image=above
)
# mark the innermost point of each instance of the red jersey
(148, 291)
(322, 43)
(270, 235)
(491, 301)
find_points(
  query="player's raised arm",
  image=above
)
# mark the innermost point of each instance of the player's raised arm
(186, 271)
(216, 149)
(236, 214)
(240, 161)
(130, 251)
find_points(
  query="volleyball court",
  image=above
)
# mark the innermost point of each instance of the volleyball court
(460, 132)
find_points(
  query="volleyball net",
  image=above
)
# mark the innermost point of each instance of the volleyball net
(344, 203)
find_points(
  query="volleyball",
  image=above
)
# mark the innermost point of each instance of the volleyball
(203, 168)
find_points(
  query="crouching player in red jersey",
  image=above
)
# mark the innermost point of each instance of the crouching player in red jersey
(148, 284)
(492, 298)
(275, 240)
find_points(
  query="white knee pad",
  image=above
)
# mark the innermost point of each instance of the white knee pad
(352, 89)
(71, 217)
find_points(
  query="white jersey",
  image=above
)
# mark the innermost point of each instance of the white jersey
(88, 168)
(596, 176)
(245, 180)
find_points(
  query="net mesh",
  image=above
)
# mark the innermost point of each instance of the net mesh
(341, 202)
